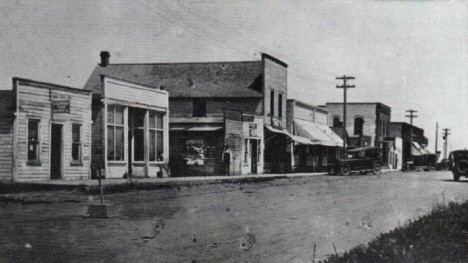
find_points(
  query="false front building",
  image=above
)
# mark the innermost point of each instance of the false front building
(130, 128)
(241, 104)
(367, 124)
(45, 132)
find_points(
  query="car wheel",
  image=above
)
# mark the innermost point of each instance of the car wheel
(345, 170)
(456, 176)
(431, 168)
(377, 169)
(461, 166)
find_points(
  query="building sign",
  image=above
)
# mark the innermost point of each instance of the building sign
(60, 106)
(253, 129)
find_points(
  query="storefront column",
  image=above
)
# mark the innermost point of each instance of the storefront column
(146, 143)
(104, 140)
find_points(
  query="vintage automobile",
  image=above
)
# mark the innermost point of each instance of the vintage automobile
(362, 159)
(424, 162)
(459, 164)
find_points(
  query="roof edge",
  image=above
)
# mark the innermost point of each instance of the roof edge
(44, 84)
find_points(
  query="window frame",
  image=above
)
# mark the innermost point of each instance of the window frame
(158, 132)
(115, 127)
(37, 143)
(79, 143)
(337, 123)
(360, 130)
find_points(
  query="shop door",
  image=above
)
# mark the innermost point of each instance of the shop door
(253, 156)
(56, 152)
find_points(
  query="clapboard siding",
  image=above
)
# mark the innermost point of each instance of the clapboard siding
(35, 102)
(6, 147)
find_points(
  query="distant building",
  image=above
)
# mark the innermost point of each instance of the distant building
(400, 133)
(320, 146)
(242, 104)
(45, 132)
(366, 123)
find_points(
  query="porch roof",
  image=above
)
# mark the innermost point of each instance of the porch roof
(318, 134)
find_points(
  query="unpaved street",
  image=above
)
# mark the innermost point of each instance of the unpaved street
(272, 221)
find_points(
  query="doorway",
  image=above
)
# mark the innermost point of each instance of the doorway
(56, 152)
(253, 156)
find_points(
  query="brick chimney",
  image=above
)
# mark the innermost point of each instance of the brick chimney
(105, 55)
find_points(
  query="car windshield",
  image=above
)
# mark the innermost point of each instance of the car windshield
(459, 154)
(364, 154)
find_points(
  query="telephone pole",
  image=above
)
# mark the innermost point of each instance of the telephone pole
(445, 137)
(437, 137)
(344, 87)
(411, 116)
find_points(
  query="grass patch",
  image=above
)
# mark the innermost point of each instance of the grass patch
(441, 236)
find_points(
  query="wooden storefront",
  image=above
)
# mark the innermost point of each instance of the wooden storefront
(46, 132)
(130, 130)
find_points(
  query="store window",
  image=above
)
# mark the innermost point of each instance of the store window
(76, 142)
(115, 133)
(156, 136)
(33, 140)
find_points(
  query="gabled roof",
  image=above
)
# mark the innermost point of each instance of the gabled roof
(213, 79)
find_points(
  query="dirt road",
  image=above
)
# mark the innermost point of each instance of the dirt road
(274, 221)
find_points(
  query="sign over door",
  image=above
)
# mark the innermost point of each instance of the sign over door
(61, 106)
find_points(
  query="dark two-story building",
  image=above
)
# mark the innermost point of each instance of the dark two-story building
(240, 104)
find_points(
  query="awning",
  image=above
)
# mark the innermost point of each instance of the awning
(319, 134)
(195, 128)
(417, 150)
(295, 138)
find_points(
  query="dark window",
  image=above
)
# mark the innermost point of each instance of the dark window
(336, 122)
(199, 107)
(115, 133)
(76, 142)
(358, 126)
(33, 140)
(272, 102)
(280, 105)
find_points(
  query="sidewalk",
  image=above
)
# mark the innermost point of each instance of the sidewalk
(148, 183)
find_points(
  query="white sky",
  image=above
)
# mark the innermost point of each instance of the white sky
(405, 54)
